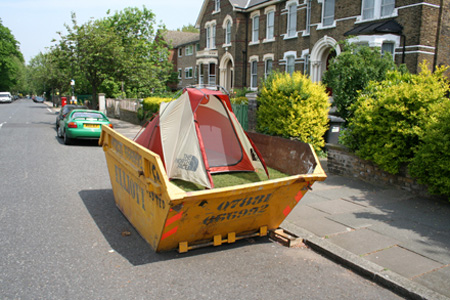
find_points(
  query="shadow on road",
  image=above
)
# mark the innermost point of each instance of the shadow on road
(112, 223)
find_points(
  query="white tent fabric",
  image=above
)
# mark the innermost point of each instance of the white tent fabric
(182, 154)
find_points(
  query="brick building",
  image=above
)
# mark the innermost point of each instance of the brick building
(183, 50)
(241, 41)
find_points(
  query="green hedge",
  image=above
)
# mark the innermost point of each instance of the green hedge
(431, 163)
(391, 116)
(150, 106)
(293, 107)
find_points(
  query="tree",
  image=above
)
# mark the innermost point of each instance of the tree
(11, 60)
(94, 52)
(189, 28)
(351, 71)
(145, 65)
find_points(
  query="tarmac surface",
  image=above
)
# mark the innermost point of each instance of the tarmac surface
(394, 237)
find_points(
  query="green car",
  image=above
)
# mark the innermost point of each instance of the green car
(82, 124)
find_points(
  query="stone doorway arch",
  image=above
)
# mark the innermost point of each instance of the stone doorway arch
(226, 69)
(320, 55)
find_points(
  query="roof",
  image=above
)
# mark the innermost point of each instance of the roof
(246, 3)
(237, 4)
(178, 38)
(390, 26)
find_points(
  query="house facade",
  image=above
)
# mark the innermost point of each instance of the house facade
(241, 41)
(183, 50)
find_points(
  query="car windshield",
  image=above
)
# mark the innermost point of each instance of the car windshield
(3, 96)
(87, 115)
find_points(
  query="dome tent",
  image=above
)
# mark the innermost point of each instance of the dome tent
(198, 135)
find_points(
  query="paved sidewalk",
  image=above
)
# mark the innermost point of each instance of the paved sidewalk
(394, 237)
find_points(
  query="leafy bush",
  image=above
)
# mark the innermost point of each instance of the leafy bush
(150, 105)
(351, 71)
(390, 116)
(240, 92)
(239, 100)
(293, 107)
(431, 164)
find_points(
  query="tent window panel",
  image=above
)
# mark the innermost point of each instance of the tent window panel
(221, 143)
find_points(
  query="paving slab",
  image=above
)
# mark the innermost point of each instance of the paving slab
(363, 241)
(322, 227)
(424, 240)
(436, 281)
(337, 206)
(305, 212)
(403, 261)
(351, 220)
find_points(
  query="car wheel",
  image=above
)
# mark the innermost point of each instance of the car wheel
(67, 140)
(59, 132)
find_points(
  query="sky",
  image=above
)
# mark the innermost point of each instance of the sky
(35, 23)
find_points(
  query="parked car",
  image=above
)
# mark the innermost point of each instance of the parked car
(82, 124)
(5, 97)
(65, 110)
(38, 99)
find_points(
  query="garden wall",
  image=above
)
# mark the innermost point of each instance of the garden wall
(342, 162)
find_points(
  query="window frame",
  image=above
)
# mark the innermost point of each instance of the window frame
(291, 28)
(228, 32)
(210, 34)
(212, 75)
(255, 29)
(188, 73)
(254, 74)
(270, 26)
(189, 53)
(325, 5)
(266, 64)
(375, 11)
(288, 66)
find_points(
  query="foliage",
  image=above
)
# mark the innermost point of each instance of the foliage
(431, 163)
(150, 106)
(145, 66)
(391, 115)
(11, 61)
(351, 71)
(293, 107)
(94, 51)
(239, 100)
(189, 28)
(240, 92)
(117, 55)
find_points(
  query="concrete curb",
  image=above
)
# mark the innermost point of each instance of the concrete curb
(386, 278)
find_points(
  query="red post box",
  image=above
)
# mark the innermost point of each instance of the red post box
(63, 101)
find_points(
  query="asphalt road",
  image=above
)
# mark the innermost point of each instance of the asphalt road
(61, 235)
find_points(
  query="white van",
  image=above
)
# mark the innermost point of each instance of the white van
(5, 97)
